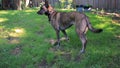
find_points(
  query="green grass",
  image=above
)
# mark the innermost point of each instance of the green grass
(25, 43)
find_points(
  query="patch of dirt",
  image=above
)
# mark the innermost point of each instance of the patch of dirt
(67, 56)
(1, 30)
(43, 64)
(117, 36)
(3, 33)
(116, 18)
(40, 32)
(77, 58)
(115, 15)
(13, 40)
(54, 42)
(16, 51)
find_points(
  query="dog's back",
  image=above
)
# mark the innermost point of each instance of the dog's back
(66, 19)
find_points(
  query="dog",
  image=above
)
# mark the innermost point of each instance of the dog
(63, 20)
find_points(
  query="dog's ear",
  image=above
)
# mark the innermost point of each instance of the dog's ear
(46, 4)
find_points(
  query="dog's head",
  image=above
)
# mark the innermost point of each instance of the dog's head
(45, 8)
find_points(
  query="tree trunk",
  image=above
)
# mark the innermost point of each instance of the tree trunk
(25, 2)
(36, 3)
(5, 4)
(17, 4)
(11, 4)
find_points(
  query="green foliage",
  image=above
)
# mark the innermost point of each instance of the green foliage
(25, 43)
(66, 4)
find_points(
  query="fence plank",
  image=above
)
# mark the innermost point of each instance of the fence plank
(118, 4)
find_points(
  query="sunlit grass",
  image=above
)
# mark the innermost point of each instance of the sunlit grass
(3, 12)
(2, 20)
(17, 32)
(29, 10)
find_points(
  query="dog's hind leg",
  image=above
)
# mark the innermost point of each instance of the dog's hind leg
(58, 38)
(64, 32)
(83, 39)
(84, 42)
(81, 29)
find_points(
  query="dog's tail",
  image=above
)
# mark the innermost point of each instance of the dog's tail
(91, 28)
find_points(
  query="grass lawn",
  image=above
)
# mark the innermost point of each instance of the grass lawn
(26, 42)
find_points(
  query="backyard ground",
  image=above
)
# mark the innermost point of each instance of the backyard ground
(26, 41)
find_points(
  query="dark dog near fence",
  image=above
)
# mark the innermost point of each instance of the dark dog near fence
(63, 20)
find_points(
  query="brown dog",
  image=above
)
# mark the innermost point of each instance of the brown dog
(63, 20)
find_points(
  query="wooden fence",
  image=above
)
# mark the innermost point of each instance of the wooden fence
(102, 4)
(105, 4)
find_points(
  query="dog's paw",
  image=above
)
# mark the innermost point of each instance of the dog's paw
(57, 46)
(67, 39)
(82, 51)
(64, 39)
(52, 42)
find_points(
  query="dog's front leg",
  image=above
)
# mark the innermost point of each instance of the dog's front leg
(58, 38)
(64, 32)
